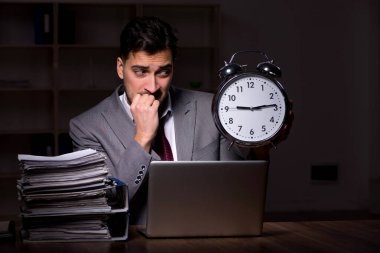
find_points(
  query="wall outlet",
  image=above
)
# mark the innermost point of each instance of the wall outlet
(324, 173)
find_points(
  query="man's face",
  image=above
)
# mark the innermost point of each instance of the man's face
(146, 74)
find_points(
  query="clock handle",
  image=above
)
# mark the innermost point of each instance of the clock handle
(267, 67)
(251, 51)
(230, 69)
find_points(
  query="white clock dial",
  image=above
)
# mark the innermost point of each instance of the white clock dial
(251, 108)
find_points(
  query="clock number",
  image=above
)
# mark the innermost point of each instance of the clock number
(231, 120)
(239, 88)
(262, 87)
(263, 128)
(271, 119)
(226, 108)
(240, 127)
(250, 84)
(271, 95)
(251, 132)
(275, 108)
(231, 97)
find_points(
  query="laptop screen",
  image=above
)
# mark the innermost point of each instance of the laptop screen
(206, 198)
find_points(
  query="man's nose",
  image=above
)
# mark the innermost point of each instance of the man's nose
(152, 84)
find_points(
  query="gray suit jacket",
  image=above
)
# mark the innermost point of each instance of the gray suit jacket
(107, 128)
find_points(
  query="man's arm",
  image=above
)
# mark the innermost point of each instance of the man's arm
(129, 163)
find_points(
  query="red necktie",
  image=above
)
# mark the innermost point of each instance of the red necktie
(162, 146)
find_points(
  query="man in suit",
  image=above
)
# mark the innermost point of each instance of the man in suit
(125, 126)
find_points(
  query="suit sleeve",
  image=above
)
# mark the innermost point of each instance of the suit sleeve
(129, 164)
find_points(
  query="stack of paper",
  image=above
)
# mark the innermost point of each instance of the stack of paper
(69, 197)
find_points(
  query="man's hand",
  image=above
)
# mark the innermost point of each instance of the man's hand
(284, 132)
(262, 152)
(144, 109)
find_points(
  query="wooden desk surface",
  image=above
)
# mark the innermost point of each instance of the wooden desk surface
(312, 236)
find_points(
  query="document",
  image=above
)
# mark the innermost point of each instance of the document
(67, 197)
(69, 228)
(65, 157)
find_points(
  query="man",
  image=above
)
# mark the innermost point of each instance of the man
(125, 125)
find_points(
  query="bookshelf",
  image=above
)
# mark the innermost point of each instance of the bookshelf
(58, 59)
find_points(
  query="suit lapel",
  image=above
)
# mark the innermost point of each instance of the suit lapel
(184, 110)
(118, 119)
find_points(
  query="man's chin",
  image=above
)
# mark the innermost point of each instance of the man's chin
(162, 100)
(158, 95)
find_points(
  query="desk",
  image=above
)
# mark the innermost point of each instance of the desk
(312, 236)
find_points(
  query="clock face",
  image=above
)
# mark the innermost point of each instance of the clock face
(250, 108)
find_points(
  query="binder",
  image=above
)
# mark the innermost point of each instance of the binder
(43, 24)
(109, 225)
(71, 198)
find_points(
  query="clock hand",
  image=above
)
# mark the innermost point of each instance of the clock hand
(255, 108)
(262, 107)
(243, 107)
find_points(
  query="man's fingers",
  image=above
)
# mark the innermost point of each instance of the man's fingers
(155, 105)
(143, 99)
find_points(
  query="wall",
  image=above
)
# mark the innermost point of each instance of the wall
(328, 52)
(374, 178)
(325, 50)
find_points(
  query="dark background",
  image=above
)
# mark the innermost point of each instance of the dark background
(328, 52)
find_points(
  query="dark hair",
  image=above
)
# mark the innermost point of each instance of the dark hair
(149, 34)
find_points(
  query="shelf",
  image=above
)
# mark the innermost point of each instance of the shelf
(24, 46)
(17, 22)
(80, 90)
(195, 25)
(87, 68)
(88, 46)
(93, 23)
(33, 68)
(36, 144)
(26, 131)
(21, 88)
(26, 111)
(72, 104)
(194, 69)
(26, 23)
(58, 59)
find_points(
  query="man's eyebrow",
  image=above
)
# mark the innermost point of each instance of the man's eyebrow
(167, 66)
(140, 67)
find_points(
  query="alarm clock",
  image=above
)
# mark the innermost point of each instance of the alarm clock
(250, 108)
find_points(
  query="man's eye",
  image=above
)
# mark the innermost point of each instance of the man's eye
(139, 72)
(164, 73)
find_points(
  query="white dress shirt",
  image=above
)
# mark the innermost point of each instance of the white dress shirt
(169, 122)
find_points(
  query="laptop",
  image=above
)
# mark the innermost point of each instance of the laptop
(206, 198)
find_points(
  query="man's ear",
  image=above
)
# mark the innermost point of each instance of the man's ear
(120, 67)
